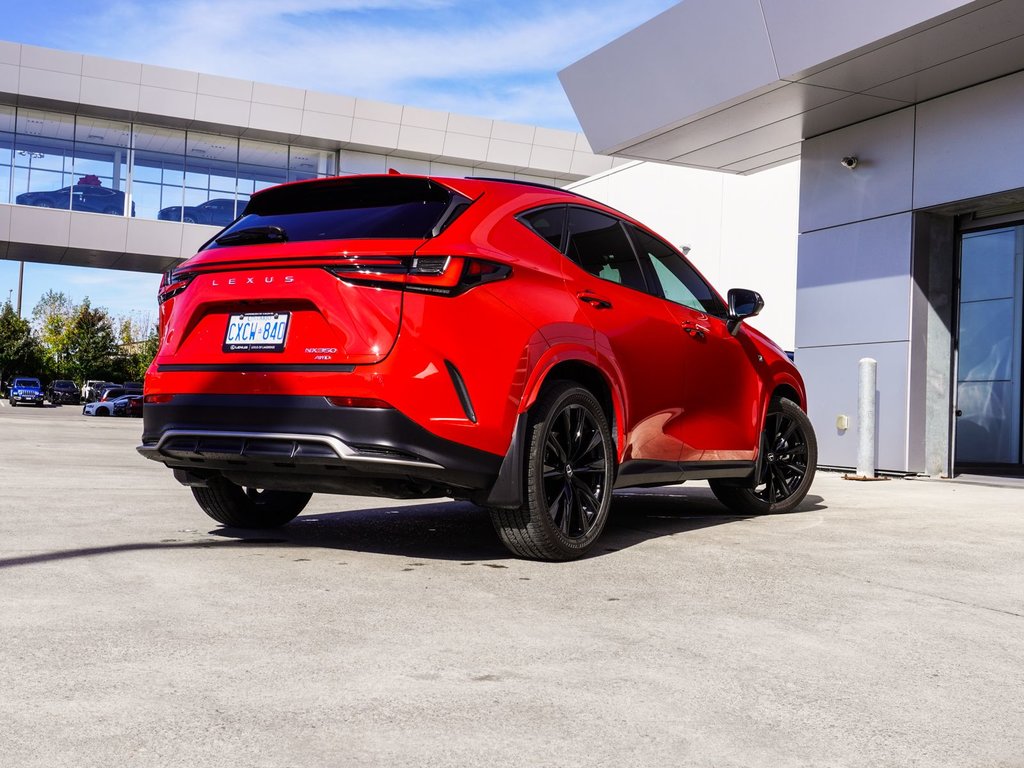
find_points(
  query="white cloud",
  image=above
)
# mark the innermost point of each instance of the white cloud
(493, 59)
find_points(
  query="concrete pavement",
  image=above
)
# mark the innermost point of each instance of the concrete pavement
(882, 624)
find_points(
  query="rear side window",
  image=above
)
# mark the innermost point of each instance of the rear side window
(549, 223)
(598, 243)
(679, 282)
(340, 209)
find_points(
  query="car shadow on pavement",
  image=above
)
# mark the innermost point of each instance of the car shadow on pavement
(446, 530)
(452, 530)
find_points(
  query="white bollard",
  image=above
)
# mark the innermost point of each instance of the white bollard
(866, 418)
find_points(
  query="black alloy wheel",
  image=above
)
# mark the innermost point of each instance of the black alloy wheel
(240, 507)
(788, 459)
(569, 475)
(575, 465)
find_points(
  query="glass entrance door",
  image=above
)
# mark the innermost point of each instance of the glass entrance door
(988, 424)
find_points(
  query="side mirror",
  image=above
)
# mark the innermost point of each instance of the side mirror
(743, 303)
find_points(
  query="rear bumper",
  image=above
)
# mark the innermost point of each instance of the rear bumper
(304, 443)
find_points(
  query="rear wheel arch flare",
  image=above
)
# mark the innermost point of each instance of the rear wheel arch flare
(591, 379)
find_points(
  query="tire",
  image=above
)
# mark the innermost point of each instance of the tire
(102, 412)
(188, 219)
(238, 507)
(569, 473)
(789, 457)
(13, 403)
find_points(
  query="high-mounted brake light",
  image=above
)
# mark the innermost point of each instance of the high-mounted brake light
(172, 284)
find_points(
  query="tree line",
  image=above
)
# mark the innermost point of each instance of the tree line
(77, 341)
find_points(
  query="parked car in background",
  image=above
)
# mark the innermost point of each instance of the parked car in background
(513, 344)
(63, 391)
(127, 405)
(80, 197)
(109, 390)
(26, 390)
(117, 405)
(98, 408)
(219, 212)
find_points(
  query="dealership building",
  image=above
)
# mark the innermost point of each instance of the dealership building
(167, 156)
(908, 122)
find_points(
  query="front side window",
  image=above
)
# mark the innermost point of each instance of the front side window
(598, 243)
(679, 282)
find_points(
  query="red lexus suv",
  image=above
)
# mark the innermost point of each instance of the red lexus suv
(516, 345)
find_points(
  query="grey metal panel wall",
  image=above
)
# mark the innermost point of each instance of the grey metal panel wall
(854, 291)
(831, 377)
(881, 184)
(854, 283)
(806, 34)
(970, 143)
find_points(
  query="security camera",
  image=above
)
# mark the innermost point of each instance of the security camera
(849, 162)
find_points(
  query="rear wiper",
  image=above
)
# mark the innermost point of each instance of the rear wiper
(254, 235)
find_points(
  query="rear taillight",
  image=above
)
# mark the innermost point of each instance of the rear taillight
(172, 284)
(434, 275)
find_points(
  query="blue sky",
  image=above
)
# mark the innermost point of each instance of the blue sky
(492, 59)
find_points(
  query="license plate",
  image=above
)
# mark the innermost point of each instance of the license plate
(256, 332)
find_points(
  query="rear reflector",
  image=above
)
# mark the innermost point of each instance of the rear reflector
(357, 402)
(157, 398)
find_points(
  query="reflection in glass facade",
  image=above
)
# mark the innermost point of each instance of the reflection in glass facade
(56, 160)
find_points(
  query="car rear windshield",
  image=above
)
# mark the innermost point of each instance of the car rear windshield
(341, 209)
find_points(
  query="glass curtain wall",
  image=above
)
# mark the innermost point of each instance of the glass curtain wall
(6, 152)
(55, 160)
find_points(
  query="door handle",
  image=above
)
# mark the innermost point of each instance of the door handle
(695, 329)
(595, 301)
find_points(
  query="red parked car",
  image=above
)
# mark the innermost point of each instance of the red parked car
(517, 345)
